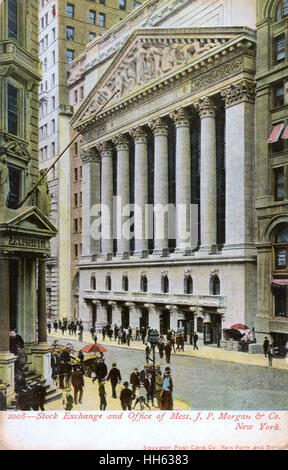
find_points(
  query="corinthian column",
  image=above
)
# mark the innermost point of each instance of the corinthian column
(208, 175)
(161, 199)
(105, 150)
(91, 169)
(123, 197)
(239, 100)
(183, 178)
(141, 189)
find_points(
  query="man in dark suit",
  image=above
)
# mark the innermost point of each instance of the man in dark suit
(114, 376)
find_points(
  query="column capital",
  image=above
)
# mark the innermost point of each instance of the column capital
(159, 126)
(139, 134)
(121, 142)
(181, 117)
(89, 155)
(105, 149)
(238, 93)
(206, 107)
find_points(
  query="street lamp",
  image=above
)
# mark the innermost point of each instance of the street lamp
(153, 339)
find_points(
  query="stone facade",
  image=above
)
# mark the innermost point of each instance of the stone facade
(25, 230)
(183, 93)
(271, 172)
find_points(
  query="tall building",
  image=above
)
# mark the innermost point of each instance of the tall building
(64, 30)
(271, 170)
(25, 230)
(179, 132)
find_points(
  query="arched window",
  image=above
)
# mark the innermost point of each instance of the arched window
(165, 284)
(144, 283)
(188, 285)
(93, 282)
(108, 282)
(215, 285)
(281, 10)
(281, 247)
(125, 283)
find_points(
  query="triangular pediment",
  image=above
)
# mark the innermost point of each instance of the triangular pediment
(148, 57)
(32, 221)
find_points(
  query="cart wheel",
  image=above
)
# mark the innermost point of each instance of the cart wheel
(87, 371)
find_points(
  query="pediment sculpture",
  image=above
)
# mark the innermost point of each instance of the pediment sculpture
(148, 60)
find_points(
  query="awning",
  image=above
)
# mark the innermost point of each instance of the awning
(280, 282)
(275, 133)
(285, 133)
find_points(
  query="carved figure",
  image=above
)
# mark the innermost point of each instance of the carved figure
(4, 181)
(43, 200)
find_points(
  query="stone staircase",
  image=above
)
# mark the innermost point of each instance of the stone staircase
(32, 378)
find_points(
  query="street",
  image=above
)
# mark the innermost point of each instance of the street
(208, 384)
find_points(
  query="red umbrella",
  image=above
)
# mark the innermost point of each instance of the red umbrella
(239, 326)
(93, 348)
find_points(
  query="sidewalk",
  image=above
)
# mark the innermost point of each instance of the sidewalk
(205, 352)
(91, 401)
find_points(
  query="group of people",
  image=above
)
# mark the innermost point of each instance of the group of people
(72, 327)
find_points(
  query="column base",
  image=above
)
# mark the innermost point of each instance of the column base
(7, 372)
(162, 252)
(209, 249)
(41, 360)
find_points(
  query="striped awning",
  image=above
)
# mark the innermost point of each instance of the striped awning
(280, 282)
(275, 133)
(285, 133)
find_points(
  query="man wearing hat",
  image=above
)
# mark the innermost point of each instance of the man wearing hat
(126, 397)
(166, 400)
(114, 376)
(158, 383)
(135, 379)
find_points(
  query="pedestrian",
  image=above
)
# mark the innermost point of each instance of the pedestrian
(149, 387)
(116, 329)
(114, 376)
(81, 356)
(270, 354)
(126, 397)
(80, 335)
(147, 352)
(102, 395)
(95, 339)
(168, 350)
(103, 333)
(172, 342)
(54, 365)
(55, 325)
(77, 380)
(100, 370)
(266, 345)
(195, 339)
(158, 384)
(141, 398)
(92, 331)
(135, 379)
(178, 342)
(182, 342)
(49, 326)
(143, 334)
(38, 397)
(24, 399)
(119, 337)
(68, 401)
(166, 400)
(137, 333)
(161, 347)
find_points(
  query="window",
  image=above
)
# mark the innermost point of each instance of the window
(12, 109)
(281, 10)
(46, 19)
(69, 56)
(108, 283)
(80, 172)
(14, 186)
(76, 200)
(75, 225)
(76, 251)
(165, 284)
(53, 126)
(76, 148)
(279, 49)
(12, 19)
(80, 198)
(93, 282)
(279, 95)
(215, 285)
(81, 93)
(188, 285)
(70, 33)
(53, 149)
(75, 174)
(53, 80)
(53, 34)
(91, 36)
(279, 184)
(101, 20)
(75, 96)
(122, 4)
(53, 102)
(92, 16)
(80, 225)
(144, 284)
(281, 247)
(125, 283)
(70, 10)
